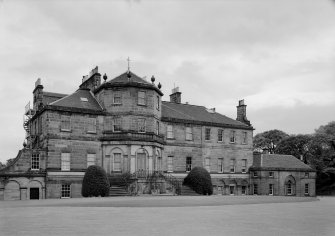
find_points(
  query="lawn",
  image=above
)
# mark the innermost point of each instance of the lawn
(215, 215)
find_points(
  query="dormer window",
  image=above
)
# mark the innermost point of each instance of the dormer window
(141, 98)
(83, 99)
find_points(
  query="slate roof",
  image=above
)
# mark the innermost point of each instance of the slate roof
(124, 78)
(178, 111)
(75, 101)
(277, 161)
(134, 81)
(49, 97)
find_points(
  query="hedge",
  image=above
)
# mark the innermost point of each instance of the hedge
(199, 180)
(95, 182)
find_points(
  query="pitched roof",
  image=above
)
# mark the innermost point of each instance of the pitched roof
(134, 81)
(49, 97)
(123, 78)
(179, 111)
(277, 161)
(82, 98)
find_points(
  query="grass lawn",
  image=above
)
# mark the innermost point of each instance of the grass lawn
(180, 215)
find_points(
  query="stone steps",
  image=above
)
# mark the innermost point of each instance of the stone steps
(187, 191)
(117, 191)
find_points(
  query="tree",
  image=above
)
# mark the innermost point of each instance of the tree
(2, 165)
(269, 139)
(295, 145)
(199, 180)
(95, 182)
(327, 130)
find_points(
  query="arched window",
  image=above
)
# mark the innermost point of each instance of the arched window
(289, 187)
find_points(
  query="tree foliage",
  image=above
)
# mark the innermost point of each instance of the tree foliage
(263, 140)
(295, 145)
(95, 182)
(199, 180)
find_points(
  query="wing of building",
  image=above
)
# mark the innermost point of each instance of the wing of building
(124, 126)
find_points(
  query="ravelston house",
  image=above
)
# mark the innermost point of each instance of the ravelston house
(123, 125)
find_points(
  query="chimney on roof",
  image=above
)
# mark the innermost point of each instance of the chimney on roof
(175, 96)
(38, 95)
(242, 112)
(92, 80)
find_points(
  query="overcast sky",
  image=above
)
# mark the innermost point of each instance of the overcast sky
(277, 55)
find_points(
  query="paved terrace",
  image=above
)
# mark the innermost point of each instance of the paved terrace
(168, 215)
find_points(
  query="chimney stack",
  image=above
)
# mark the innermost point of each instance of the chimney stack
(92, 80)
(175, 96)
(38, 95)
(242, 112)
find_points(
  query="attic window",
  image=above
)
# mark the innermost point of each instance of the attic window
(83, 99)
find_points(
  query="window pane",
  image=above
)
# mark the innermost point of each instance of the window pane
(220, 165)
(117, 124)
(232, 165)
(170, 131)
(90, 159)
(65, 123)
(170, 163)
(220, 135)
(188, 163)
(141, 125)
(189, 133)
(92, 125)
(66, 191)
(35, 162)
(207, 134)
(232, 136)
(245, 137)
(117, 98)
(65, 161)
(244, 165)
(141, 98)
(117, 162)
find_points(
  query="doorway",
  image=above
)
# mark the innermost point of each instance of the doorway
(34, 193)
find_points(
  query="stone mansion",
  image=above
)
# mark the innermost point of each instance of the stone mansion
(123, 125)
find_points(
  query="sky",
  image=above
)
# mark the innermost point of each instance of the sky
(276, 55)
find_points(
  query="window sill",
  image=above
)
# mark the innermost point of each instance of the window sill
(220, 141)
(65, 197)
(65, 130)
(91, 132)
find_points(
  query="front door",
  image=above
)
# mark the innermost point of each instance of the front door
(34, 193)
(231, 189)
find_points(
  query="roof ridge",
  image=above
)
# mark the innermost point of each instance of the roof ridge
(186, 104)
(179, 112)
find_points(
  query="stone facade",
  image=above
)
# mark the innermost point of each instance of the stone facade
(124, 126)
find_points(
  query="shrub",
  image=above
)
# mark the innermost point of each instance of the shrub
(199, 180)
(95, 182)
